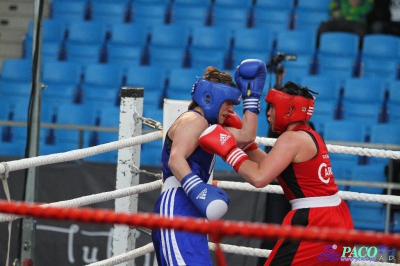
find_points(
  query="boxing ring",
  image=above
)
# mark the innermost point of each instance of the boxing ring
(128, 188)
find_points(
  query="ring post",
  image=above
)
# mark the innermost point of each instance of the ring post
(131, 108)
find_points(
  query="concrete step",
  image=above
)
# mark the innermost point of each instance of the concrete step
(7, 35)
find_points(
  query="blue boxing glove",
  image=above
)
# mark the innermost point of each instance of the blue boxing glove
(250, 77)
(211, 201)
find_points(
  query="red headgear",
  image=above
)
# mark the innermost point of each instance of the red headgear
(289, 108)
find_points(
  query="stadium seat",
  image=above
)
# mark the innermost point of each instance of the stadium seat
(108, 116)
(181, 81)
(16, 70)
(363, 90)
(61, 93)
(340, 67)
(170, 36)
(338, 44)
(131, 34)
(124, 55)
(151, 78)
(342, 171)
(83, 53)
(327, 87)
(87, 32)
(51, 51)
(167, 57)
(230, 18)
(276, 4)
(58, 140)
(380, 46)
(394, 92)
(74, 114)
(13, 149)
(309, 20)
(211, 39)
(16, 110)
(191, 3)
(324, 112)
(368, 173)
(253, 40)
(362, 112)
(149, 15)
(310, 5)
(383, 68)
(150, 153)
(61, 73)
(108, 76)
(368, 215)
(69, 11)
(205, 58)
(272, 19)
(110, 12)
(299, 42)
(233, 3)
(19, 91)
(190, 15)
(393, 113)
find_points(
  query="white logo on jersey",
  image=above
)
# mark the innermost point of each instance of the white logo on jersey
(327, 172)
(223, 138)
(202, 195)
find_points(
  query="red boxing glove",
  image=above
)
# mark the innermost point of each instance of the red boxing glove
(249, 147)
(216, 140)
(233, 120)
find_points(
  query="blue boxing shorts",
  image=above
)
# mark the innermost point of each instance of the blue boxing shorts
(174, 247)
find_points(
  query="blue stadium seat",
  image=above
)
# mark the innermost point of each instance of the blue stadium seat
(13, 149)
(190, 15)
(272, 19)
(131, 34)
(253, 40)
(109, 116)
(16, 110)
(231, 18)
(87, 32)
(149, 14)
(342, 170)
(211, 39)
(368, 215)
(381, 46)
(170, 36)
(167, 57)
(61, 73)
(108, 76)
(69, 11)
(205, 58)
(394, 92)
(150, 77)
(110, 12)
(340, 67)
(325, 112)
(16, 70)
(150, 153)
(342, 44)
(51, 51)
(233, 3)
(181, 81)
(74, 114)
(295, 69)
(61, 93)
(300, 42)
(84, 53)
(328, 87)
(365, 90)
(276, 4)
(58, 140)
(309, 20)
(387, 69)
(362, 112)
(368, 173)
(393, 113)
(311, 5)
(124, 55)
(19, 91)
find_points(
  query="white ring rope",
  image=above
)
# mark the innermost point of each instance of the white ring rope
(344, 149)
(346, 195)
(101, 197)
(80, 153)
(125, 256)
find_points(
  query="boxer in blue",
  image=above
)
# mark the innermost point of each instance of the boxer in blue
(186, 167)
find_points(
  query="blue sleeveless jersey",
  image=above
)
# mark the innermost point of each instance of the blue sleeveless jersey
(173, 248)
(201, 163)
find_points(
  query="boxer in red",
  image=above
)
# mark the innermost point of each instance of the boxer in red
(301, 162)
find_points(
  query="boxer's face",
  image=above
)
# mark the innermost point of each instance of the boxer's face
(226, 108)
(271, 115)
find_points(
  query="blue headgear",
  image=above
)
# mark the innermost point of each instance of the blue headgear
(210, 96)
